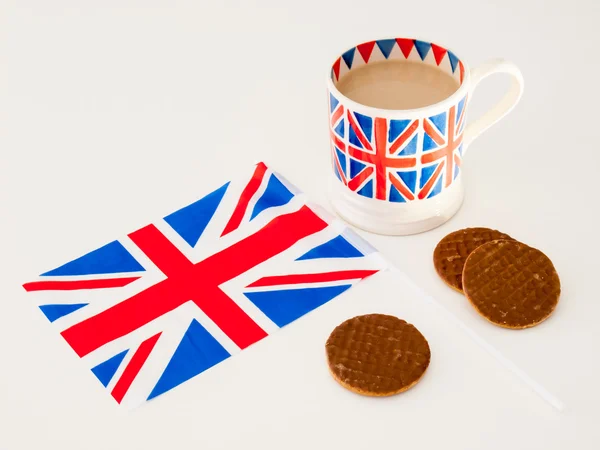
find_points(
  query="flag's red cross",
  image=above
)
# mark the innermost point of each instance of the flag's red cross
(196, 282)
(447, 151)
(199, 282)
(381, 158)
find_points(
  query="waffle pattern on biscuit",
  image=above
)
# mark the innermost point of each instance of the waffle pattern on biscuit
(376, 354)
(511, 284)
(452, 251)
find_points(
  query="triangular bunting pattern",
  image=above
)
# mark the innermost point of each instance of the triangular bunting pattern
(276, 194)
(54, 312)
(349, 57)
(422, 48)
(196, 352)
(338, 247)
(285, 306)
(386, 46)
(111, 258)
(438, 53)
(336, 69)
(453, 60)
(406, 45)
(190, 222)
(365, 50)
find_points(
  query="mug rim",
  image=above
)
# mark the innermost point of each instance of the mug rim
(402, 113)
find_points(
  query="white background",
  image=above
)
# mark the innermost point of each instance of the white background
(113, 113)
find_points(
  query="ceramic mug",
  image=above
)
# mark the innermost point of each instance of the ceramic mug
(399, 171)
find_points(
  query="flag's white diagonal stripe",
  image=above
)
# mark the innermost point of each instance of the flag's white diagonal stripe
(200, 253)
(321, 284)
(99, 276)
(179, 321)
(235, 292)
(223, 213)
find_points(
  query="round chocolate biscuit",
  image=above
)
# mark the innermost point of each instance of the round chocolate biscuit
(452, 251)
(377, 355)
(511, 284)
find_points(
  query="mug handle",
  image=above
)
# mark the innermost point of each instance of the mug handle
(500, 109)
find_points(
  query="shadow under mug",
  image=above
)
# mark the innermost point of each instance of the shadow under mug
(398, 172)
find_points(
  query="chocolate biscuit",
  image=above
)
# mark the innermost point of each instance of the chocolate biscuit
(452, 251)
(511, 284)
(377, 355)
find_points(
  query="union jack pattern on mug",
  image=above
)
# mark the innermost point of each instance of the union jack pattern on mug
(396, 160)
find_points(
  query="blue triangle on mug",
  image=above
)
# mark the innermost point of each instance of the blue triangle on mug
(386, 46)
(366, 190)
(355, 167)
(459, 109)
(337, 173)
(410, 148)
(340, 128)
(426, 173)
(342, 159)
(395, 196)
(409, 178)
(437, 188)
(422, 48)
(397, 127)
(439, 121)
(333, 102)
(366, 124)
(349, 57)
(456, 171)
(428, 143)
(453, 60)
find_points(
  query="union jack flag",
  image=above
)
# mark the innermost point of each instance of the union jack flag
(383, 159)
(380, 156)
(442, 149)
(163, 304)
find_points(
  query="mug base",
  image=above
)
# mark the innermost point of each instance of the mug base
(395, 219)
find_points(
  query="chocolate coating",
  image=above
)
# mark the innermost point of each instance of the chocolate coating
(453, 250)
(511, 284)
(377, 354)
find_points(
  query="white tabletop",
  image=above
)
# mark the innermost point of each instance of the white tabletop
(111, 115)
